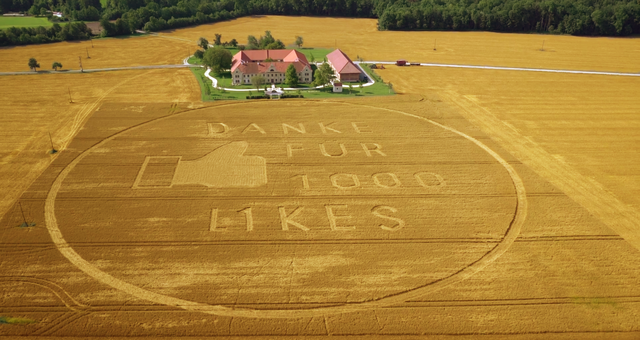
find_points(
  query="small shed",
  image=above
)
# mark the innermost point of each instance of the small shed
(337, 87)
(401, 62)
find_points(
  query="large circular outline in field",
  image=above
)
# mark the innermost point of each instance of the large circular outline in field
(509, 238)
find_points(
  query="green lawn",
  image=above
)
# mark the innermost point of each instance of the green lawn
(208, 93)
(211, 94)
(6, 22)
(318, 53)
(224, 80)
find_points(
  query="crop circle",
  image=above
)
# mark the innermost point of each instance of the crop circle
(365, 190)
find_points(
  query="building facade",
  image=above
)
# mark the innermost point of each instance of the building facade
(271, 64)
(344, 68)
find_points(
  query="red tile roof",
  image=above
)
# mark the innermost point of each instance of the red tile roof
(253, 61)
(341, 63)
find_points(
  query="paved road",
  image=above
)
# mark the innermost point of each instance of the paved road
(602, 73)
(97, 70)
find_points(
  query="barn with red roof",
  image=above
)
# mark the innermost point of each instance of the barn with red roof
(271, 64)
(345, 69)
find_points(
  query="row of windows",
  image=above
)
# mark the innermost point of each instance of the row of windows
(270, 75)
(279, 80)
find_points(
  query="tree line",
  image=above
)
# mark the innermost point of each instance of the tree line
(39, 35)
(121, 17)
(576, 17)
(74, 10)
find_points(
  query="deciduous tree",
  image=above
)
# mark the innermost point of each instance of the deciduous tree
(291, 76)
(217, 58)
(252, 43)
(56, 65)
(299, 41)
(258, 81)
(204, 43)
(33, 64)
(323, 75)
(276, 45)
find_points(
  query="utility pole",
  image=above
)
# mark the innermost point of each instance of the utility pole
(80, 61)
(434, 44)
(88, 57)
(91, 43)
(25, 224)
(70, 100)
(53, 150)
(542, 46)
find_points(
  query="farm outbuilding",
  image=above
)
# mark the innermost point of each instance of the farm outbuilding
(337, 86)
(345, 69)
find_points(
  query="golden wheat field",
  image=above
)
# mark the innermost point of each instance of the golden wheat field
(473, 204)
(356, 37)
(103, 53)
(34, 106)
(580, 132)
(361, 37)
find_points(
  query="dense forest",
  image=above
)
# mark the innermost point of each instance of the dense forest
(121, 17)
(576, 17)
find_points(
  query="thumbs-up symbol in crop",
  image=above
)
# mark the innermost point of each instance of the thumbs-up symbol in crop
(224, 167)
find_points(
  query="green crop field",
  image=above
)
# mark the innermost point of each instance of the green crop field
(6, 22)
